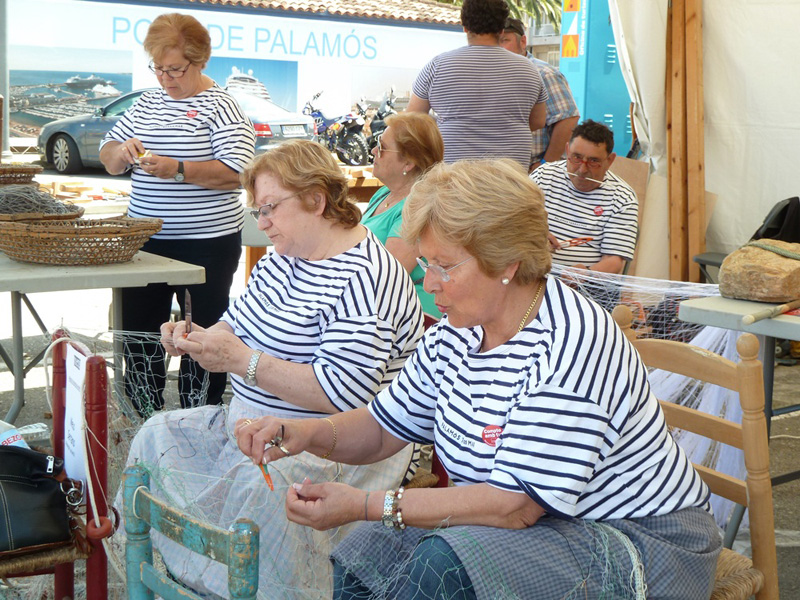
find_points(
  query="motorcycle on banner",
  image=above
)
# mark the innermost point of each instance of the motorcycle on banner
(378, 123)
(342, 135)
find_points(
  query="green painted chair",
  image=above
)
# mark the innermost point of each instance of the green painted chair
(237, 547)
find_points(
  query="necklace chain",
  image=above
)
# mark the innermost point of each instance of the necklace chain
(530, 308)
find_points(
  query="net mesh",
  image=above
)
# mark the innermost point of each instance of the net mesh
(20, 199)
(655, 307)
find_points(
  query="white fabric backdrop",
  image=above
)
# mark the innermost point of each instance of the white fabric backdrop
(751, 69)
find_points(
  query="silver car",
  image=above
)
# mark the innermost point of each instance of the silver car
(73, 143)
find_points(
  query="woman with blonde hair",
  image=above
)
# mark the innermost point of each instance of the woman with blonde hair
(567, 482)
(410, 145)
(184, 144)
(326, 321)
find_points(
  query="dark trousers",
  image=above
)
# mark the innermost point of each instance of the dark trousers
(144, 309)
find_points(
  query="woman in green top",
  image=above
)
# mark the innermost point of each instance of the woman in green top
(409, 146)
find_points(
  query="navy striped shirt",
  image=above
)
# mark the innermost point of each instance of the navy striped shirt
(609, 215)
(354, 317)
(483, 97)
(207, 126)
(562, 412)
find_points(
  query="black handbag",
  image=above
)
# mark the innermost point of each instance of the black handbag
(37, 502)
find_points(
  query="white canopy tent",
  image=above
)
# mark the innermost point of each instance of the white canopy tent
(751, 80)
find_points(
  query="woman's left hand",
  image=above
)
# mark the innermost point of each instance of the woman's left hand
(162, 167)
(324, 506)
(216, 350)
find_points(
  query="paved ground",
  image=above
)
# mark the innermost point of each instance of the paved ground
(86, 312)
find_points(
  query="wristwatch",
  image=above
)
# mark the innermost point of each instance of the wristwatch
(179, 176)
(250, 376)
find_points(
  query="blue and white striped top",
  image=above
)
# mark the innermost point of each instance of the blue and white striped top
(609, 215)
(354, 317)
(207, 126)
(562, 412)
(483, 97)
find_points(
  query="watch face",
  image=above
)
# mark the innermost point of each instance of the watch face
(179, 177)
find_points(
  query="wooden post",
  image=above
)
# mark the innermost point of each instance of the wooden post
(677, 148)
(695, 146)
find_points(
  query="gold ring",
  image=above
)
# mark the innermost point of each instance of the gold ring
(247, 422)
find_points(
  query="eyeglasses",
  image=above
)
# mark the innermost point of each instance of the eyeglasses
(439, 270)
(265, 210)
(381, 149)
(172, 73)
(591, 161)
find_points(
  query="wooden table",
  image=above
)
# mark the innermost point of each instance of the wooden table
(25, 278)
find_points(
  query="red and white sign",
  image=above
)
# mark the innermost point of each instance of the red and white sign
(491, 434)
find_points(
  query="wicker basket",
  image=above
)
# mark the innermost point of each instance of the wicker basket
(74, 212)
(79, 242)
(13, 173)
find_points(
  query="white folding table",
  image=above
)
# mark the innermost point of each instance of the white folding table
(21, 278)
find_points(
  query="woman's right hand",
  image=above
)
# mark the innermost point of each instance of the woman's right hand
(130, 150)
(271, 438)
(170, 333)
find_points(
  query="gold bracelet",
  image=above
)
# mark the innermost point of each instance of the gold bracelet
(333, 447)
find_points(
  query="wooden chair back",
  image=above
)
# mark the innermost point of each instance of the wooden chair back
(61, 561)
(737, 577)
(237, 547)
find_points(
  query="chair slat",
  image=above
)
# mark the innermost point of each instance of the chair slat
(724, 485)
(162, 585)
(205, 539)
(703, 424)
(688, 360)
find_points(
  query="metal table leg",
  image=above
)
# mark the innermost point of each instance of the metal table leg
(17, 367)
(119, 384)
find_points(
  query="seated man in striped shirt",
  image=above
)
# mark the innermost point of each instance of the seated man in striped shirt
(593, 215)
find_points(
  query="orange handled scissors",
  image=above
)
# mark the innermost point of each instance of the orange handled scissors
(575, 242)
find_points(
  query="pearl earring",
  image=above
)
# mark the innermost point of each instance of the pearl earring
(505, 281)
(404, 173)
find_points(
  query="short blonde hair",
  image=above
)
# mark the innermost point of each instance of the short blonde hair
(305, 167)
(491, 208)
(184, 32)
(418, 139)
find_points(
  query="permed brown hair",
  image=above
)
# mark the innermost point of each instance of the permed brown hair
(174, 30)
(491, 208)
(305, 167)
(418, 138)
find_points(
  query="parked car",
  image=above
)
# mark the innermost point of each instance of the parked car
(273, 124)
(73, 143)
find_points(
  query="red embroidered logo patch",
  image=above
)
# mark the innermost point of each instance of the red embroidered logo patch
(598, 211)
(491, 434)
(191, 114)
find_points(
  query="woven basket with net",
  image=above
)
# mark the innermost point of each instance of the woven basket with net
(78, 242)
(20, 202)
(13, 173)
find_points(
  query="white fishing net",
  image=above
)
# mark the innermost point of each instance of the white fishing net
(655, 308)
